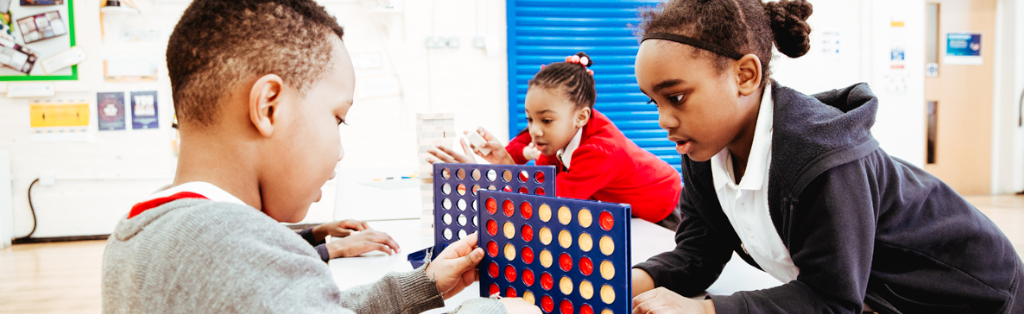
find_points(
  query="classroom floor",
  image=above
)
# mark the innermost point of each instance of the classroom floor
(65, 277)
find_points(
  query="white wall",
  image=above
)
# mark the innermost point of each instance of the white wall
(1008, 136)
(97, 182)
(865, 39)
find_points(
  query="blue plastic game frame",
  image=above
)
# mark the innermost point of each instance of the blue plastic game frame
(619, 233)
(460, 204)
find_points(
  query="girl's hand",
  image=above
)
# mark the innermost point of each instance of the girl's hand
(455, 268)
(662, 300)
(642, 282)
(498, 154)
(530, 152)
(363, 242)
(447, 155)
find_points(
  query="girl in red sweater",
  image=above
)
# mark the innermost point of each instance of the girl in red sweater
(592, 158)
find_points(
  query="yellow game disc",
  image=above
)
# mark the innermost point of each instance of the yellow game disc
(607, 245)
(566, 285)
(546, 259)
(586, 290)
(544, 212)
(528, 297)
(607, 270)
(564, 215)
(586, 242)
(510, 252)
(510, 230)
(607, 294)
(607, 311)
(565, 239)
(545, 235)
(585, 218)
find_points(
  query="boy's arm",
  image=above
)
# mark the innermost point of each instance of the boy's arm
(698, 259)
(832, 242)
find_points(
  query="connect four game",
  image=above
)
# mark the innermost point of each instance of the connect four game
(456, 187)
(564, 255)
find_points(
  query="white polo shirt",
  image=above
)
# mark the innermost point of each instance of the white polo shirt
(210, 191)
(746, 203)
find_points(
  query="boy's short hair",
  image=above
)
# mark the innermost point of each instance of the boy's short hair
(218, 43)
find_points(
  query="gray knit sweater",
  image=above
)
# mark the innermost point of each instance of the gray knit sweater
(199, 256)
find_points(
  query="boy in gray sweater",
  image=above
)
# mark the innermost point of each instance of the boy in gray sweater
(259, 87)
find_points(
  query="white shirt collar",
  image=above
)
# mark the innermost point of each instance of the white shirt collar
(210, 191)
(565, 154)
(760, 149)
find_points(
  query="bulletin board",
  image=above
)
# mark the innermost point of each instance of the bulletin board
(44, 48)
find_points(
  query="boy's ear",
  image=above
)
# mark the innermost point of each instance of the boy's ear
(748, 78)
(264, 102)
(582, 117)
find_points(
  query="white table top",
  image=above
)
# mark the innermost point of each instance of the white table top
(648, 240)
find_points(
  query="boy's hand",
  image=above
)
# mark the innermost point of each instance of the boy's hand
(642, 281)
(455, 267)
(498, 154)
(661, 300)
(518, 305)
(361, 243)
(341, 228)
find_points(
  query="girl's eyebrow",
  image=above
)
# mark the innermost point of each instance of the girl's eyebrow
(667, 83)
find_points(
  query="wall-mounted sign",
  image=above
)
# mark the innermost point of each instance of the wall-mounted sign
(963, 48)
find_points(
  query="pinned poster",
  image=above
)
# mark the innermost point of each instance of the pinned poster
(963, 48)
(59, 120)
(144, 110)
(110, 111)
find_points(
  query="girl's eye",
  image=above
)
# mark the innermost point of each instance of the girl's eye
(651, 101)
(677, 98)
(546, 120)
(529, 120)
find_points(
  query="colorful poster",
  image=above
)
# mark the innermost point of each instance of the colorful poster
(144, 110)
(59, 120)
(110, 111)
(963, 48)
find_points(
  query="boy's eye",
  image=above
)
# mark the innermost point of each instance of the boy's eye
(340, 121)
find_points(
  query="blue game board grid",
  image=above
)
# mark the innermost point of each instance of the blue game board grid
(469, 197)
(620, 257)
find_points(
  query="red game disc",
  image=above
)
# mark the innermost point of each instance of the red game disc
(539, 176)
(528, 277)
(526, 210)
(607, 222)
(547, 304)
(492, 270)
(494, 289)
(527, 233)
(586, 309)
(586, 266)
(528, 255)
(566, 307)
(492, 248)
(523, 176)
(510, 273)
(492, 206)
(510, 292)
(524, 190)
(507, 189)
(510, 209)
(492, 227)
(540, 191)
(546, 282)
(565, 261)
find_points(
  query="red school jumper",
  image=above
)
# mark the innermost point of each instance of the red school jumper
(609, 167)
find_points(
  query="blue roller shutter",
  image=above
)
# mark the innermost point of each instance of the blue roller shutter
(546, 31)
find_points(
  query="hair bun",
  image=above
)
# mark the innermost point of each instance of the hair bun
(589, 60)
(789, 25)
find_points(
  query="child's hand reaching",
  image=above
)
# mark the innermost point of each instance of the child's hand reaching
(661, 300)
(361, 243)
(530, 152)
(445, 154)
(455, 267)
(498, 154)
(341, 228)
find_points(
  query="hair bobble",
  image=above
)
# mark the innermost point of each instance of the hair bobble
(591, 72)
